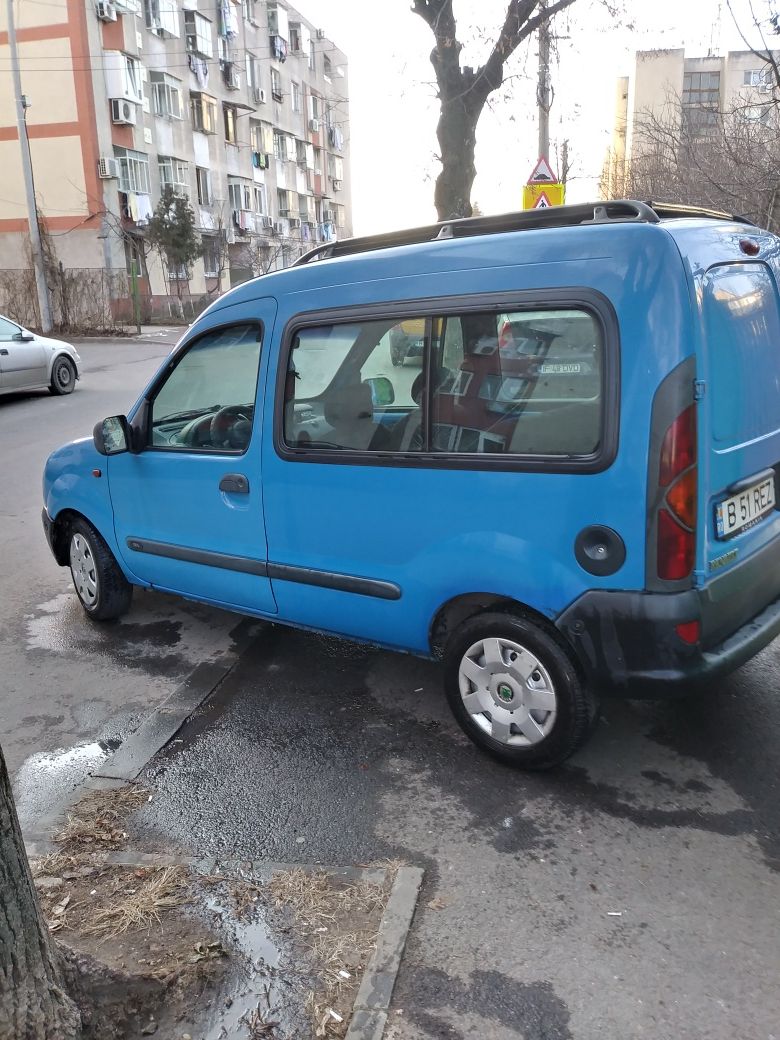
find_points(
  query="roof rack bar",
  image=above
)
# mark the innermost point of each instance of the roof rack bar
(617, 211)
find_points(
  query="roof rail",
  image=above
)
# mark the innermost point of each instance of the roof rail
(618, 211)
(670, 210)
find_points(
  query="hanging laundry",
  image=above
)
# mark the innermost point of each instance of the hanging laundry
(145, 209)
(132, 206)
(279, 48)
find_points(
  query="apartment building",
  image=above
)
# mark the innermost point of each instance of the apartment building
(242, 105)
(669, 87)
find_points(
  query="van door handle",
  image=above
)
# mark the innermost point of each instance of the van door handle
(4, 351)
(235, 483)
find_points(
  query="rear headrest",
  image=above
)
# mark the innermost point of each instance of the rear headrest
(349, 403)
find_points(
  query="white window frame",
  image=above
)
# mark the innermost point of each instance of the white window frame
(133, 171)
(162, 17)
(200, 30)
(240, 195)
(174, 173)
(261, 199)
(295, 94)
(203, 185)
(166, 95)
(133, 78)
(233, 122)
(276, 85)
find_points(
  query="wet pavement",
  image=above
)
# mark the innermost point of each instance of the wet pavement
(634, 893)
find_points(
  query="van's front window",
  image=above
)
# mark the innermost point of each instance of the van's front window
(207, 402)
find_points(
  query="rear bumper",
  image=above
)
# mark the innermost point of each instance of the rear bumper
(627, 643)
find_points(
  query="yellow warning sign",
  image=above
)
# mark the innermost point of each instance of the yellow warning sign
(543, 194)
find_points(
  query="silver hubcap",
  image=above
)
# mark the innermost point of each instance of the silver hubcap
(507, 692)
(84, 570)
(63, 373)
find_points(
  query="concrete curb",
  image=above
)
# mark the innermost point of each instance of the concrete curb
(369, 1014)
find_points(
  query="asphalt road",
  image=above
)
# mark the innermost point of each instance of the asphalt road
(634, 893)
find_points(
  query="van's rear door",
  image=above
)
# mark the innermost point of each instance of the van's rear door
(741, 368)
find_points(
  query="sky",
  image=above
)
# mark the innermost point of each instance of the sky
(393, 109)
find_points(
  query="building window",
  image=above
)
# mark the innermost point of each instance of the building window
(240, 195)
(326, 68)
(261, 199)
(701, 99)
(230, 114)
(311, 55)
(174, 175)
(284, 202)
(199, 36)
(253, 75)
(162, 17)
(758, 78)
(166, 95)
(276, 85)
(204, 113)
(280, 147)
(203, 180)
(211, 256)
(133, 85)
(248, 9)
(133, 171)
(295, 90)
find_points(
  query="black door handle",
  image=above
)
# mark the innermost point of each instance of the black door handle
(236, 483)
(4, 351)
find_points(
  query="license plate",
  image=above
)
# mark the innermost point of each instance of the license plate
(745, 509)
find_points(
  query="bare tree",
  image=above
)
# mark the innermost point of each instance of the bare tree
(764, 24)
(463, 91)
(33, 1001)
(728, 161)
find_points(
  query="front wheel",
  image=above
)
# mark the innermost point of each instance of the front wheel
(515, 691)
(104, 591)
(63, 376)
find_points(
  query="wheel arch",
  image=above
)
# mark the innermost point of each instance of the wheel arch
(455, 611)
(60, 530)
(64, 354)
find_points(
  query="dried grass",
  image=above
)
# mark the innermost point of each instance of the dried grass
(159, 889)
(319, 902)
(94, 823)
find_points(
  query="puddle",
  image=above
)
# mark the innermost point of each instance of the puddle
(46, 778)
(256, 995)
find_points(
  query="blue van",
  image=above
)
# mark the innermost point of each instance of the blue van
(569, 489)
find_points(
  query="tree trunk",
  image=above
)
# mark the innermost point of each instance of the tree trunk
(457, 134)
(33, 1004)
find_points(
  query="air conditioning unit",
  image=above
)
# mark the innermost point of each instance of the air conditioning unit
(258, 95)
(108, 167)
(337, 184)
(232, 77)
(320, 34)
(278, 227)
(314, 125)
(105, 11)
(267, 222)
(125, 113)
(295, 222)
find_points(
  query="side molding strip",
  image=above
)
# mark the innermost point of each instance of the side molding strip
(281, 571)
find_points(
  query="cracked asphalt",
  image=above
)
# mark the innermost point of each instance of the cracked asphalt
(633, 893)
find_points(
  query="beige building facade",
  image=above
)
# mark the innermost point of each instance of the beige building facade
(670, 88)
(241, 105)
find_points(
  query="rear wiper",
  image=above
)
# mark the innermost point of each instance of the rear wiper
(191, 413)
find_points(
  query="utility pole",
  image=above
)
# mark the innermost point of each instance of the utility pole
(543, 91)
(32, 209)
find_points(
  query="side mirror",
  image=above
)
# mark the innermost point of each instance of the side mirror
(382, 392)
(112, 435)
(24, 337)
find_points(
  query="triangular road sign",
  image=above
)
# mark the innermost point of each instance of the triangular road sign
(542, 202)
(542, 172)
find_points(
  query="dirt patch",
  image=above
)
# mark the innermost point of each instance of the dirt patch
(166, 950)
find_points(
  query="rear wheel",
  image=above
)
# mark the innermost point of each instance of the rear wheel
(104, 591)
(515, 691)
(63, 376)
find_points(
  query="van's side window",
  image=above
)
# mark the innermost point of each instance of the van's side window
(355, 386)
(525, 383)
(207, 403)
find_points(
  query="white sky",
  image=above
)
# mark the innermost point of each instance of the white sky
(394, 110)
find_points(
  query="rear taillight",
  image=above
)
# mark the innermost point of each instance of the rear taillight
(677, 514)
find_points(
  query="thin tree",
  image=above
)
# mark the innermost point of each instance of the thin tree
(33, 1002)
(463, 92)
(173, 233)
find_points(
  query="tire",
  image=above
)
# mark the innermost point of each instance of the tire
(63, 376)
(488, 693)
(104, 591)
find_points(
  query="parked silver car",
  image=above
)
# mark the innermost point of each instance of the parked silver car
(32, 362)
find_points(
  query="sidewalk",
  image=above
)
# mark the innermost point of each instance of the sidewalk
(170, 333)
